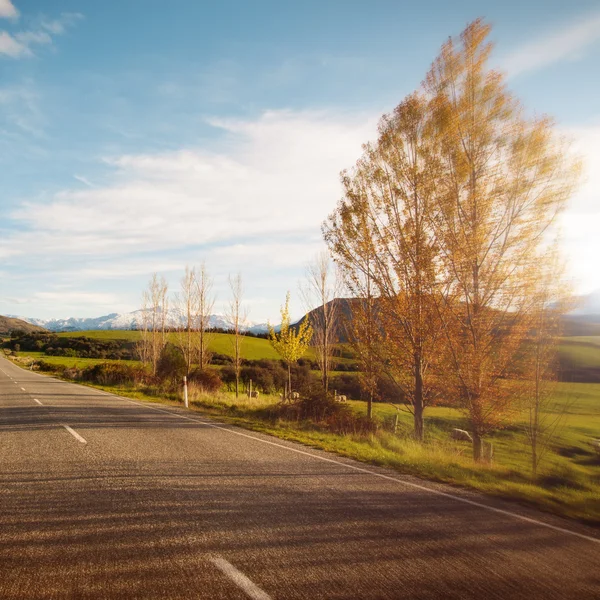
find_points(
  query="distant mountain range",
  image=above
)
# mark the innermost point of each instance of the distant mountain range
(583, 320)
(131, 320)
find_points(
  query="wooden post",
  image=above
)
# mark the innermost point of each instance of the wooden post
(185, 392)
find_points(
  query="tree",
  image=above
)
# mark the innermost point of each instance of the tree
(381, 236)
(545, 415)
(501, 182)
(193, 306)
(206, 301)
(291, 342)
(187, 309)
(353, 248)
(143, 346)
(320, 293)
(156, 301)
(237, 317)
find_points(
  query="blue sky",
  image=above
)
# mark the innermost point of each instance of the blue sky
(140, 136)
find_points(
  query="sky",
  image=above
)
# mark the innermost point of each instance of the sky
(141, 136)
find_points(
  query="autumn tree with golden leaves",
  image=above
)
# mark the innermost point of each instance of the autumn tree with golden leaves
(290, 342)
(453, 203)
(502, 180)
(381, 234)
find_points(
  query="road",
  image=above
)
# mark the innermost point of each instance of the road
(105, 497)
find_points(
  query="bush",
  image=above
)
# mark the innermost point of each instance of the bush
(171, 366)
(221, 359)
(347, 385)
(228, 377)
(42, 365)
(115, 374)
(208, 380)
(320, 408)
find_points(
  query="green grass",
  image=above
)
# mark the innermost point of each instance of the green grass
(68, 361)
(252, 348)
(108, 334)
(581, 352)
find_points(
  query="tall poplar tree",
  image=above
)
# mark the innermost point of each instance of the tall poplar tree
(503, 178)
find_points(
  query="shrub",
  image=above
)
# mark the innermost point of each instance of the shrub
(320, 408)
(347, 385)
(207, 380)
(171, 366)
(115, 374)
(42, 365)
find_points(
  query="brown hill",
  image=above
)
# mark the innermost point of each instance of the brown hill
(8, 324)
(573, 325)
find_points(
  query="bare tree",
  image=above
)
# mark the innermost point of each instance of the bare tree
(143, 346)
(545, 413)
(187, 310)
(156, 295)
(206, 301)
(320, 295)
(237, 316)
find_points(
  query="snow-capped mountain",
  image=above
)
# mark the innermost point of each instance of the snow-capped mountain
(131, 320)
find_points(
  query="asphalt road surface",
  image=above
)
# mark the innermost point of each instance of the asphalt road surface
(104, 497)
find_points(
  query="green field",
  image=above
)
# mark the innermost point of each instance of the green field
(69, 361)
(582, 352)
(252, 348)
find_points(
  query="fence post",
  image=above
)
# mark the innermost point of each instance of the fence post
(185, 394)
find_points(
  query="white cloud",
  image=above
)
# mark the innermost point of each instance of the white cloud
(28, 38)
(58, 26)
(278, 176)
(12, 47)
(20, 45)
(253, 202)
(8, 10)
(564, 44)
(75, 297)
(83, 180)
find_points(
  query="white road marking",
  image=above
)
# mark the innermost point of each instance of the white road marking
(36, 400)
(246, 585)
(75, 434)
(501, 511)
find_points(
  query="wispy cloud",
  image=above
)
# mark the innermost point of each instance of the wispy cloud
(20, 44)
(21, 109)
(83, 180)
(9, 46)
(253, 201)
(8, 10)
(566, 43)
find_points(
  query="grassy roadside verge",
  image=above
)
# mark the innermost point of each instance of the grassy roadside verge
(566, 487)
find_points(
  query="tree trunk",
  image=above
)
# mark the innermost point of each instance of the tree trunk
(418, 406)
(370, 405)
(290, 381)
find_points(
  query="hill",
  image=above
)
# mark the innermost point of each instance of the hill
(8, 324)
